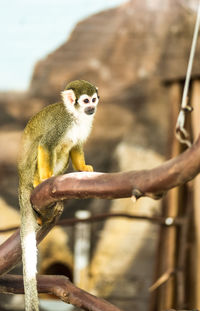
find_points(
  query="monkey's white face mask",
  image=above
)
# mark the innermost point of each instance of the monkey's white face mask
(85, 105)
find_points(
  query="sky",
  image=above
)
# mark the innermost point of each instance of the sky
(30, 29)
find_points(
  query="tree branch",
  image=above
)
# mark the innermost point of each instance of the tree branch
(10, 250)
(165, 221)
(59, 286)
(151, 182)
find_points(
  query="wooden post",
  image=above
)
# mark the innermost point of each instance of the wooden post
(166, 260)
(196, 129)
(82, 251)
(170, 234)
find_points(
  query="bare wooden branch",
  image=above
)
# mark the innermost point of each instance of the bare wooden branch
(8, 229)
(117, 185)
(162, 279)
(10, 250)
(101, 185)
(152, 182)
(165, 221)
(59, 286)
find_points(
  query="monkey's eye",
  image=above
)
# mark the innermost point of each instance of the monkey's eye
(86, 101)
(94, 99)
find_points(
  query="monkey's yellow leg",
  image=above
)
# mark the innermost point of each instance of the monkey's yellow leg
(44, 170)
(78, 160)
(36, 180)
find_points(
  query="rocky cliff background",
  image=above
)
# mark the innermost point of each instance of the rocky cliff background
(131, 53)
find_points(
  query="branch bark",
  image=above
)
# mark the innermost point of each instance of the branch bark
(59, 286)
(154, 182)
(101, 185)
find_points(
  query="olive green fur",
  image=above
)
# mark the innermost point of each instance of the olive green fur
(47, 128)
(81, 87)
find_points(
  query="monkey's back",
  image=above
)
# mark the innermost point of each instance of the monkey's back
(52, 120)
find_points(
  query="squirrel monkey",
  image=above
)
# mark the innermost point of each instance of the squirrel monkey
(53, 136)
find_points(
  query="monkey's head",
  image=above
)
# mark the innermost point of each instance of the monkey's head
(80, 97)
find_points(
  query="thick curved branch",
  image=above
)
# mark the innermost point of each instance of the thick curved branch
(172, 173)
(59, 286)
(151, 182)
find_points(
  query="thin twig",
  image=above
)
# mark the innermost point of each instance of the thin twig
(165, 221)
(181, 132)
(162, 279)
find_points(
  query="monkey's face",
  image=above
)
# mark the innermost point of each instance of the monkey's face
(87, 104)
(84, 105)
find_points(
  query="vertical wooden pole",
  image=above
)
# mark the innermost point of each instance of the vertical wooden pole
(182, 284)
(170, 234)
(82, 251)
(167, 253)
(196, 130)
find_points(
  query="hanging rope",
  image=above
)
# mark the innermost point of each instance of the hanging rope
(181, 133)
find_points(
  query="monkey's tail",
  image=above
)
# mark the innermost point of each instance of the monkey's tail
(29, 250)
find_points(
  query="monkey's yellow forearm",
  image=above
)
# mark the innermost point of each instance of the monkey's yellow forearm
(44, 170)
(78, 160)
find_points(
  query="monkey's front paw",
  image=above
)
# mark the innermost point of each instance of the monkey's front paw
(88, 168)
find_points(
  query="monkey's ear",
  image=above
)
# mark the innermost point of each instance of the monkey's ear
(68, 96)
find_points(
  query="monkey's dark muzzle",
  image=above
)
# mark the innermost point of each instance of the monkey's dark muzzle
(89, 110)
